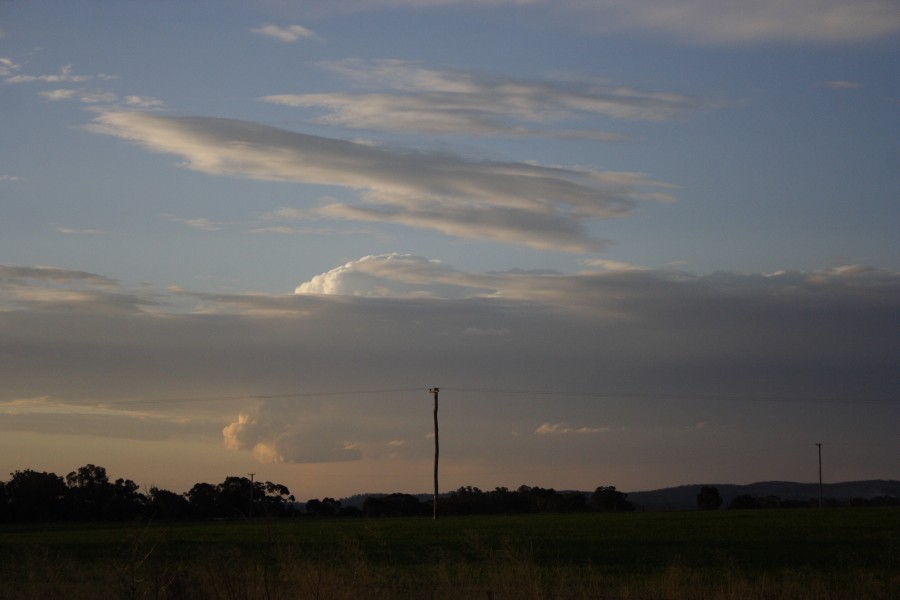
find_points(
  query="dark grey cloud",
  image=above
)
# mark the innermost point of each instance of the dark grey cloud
(615, 361)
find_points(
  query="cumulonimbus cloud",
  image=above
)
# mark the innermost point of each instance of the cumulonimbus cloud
(277, 433)
(547, 207)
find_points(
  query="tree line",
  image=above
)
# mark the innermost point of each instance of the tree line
(88, 494)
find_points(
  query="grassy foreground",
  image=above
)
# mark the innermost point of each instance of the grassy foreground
(796, 554)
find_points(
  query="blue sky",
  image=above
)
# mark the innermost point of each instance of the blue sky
(636, 243)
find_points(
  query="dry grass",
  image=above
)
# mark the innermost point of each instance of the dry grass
(399, 559)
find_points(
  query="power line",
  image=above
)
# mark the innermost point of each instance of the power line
(483, 391)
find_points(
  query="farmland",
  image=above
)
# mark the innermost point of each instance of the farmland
(830, 553)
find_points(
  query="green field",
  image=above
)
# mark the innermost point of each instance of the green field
(832, 553)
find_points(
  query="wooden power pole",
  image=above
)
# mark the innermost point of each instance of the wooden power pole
(820, 475)
(251, 493)
(435, 391)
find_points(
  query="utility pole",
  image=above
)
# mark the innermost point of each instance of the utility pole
(820, 474)
(251, 493)
(435, 391)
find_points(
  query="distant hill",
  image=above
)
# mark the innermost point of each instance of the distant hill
(684, 497)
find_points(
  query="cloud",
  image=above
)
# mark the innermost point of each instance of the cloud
(449, 102)
(110, 99)
(753, 21)
(291, 33)
(13, 273)
(65, 75)
(336, 376)
(562, 429)
(55, 289)
(56, 95)
(55, 416)
(723, 22)
(200, 223)
(395, 276)
(7, 66)
(545, 207)
(73, 231)
(10, 178)
(277, 431)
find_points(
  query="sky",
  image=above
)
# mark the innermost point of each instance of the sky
(637, 243)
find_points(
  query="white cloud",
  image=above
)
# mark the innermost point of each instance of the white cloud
(448, 102)
(74, 231)
(200, 223)
(563, 429)
(143, 102)
(60, 94)
(65, 75)
(7, 66)
(291, 33)
(10, 178)
(394, 276)
(539, 206)
(109, 99)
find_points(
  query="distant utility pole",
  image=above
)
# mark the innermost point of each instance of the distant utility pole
(820, 474)
(251, 493)
(435, 391)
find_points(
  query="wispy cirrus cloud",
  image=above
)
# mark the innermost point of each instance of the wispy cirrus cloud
(199, 223)
(66, 75)
(563, 429)
(424, 100)
(77, 231)
(527, 204)
(103, 98)
(289, 34)
(56, 289)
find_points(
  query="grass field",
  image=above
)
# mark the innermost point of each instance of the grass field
(833, 553)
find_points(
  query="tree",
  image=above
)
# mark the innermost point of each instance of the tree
(202, 498)
(608, 499)
(327, 507)
(35, 496)
(164, 504)
(743, 502)
(90, 492)
(709, 498)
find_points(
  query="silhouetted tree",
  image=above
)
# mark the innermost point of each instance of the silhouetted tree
(35, 496)
(90, 493)
(393, 505)
(743, 502)
(202, 498)
(608, 499)
(164, 504)
(708, 498)
(327, 507)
